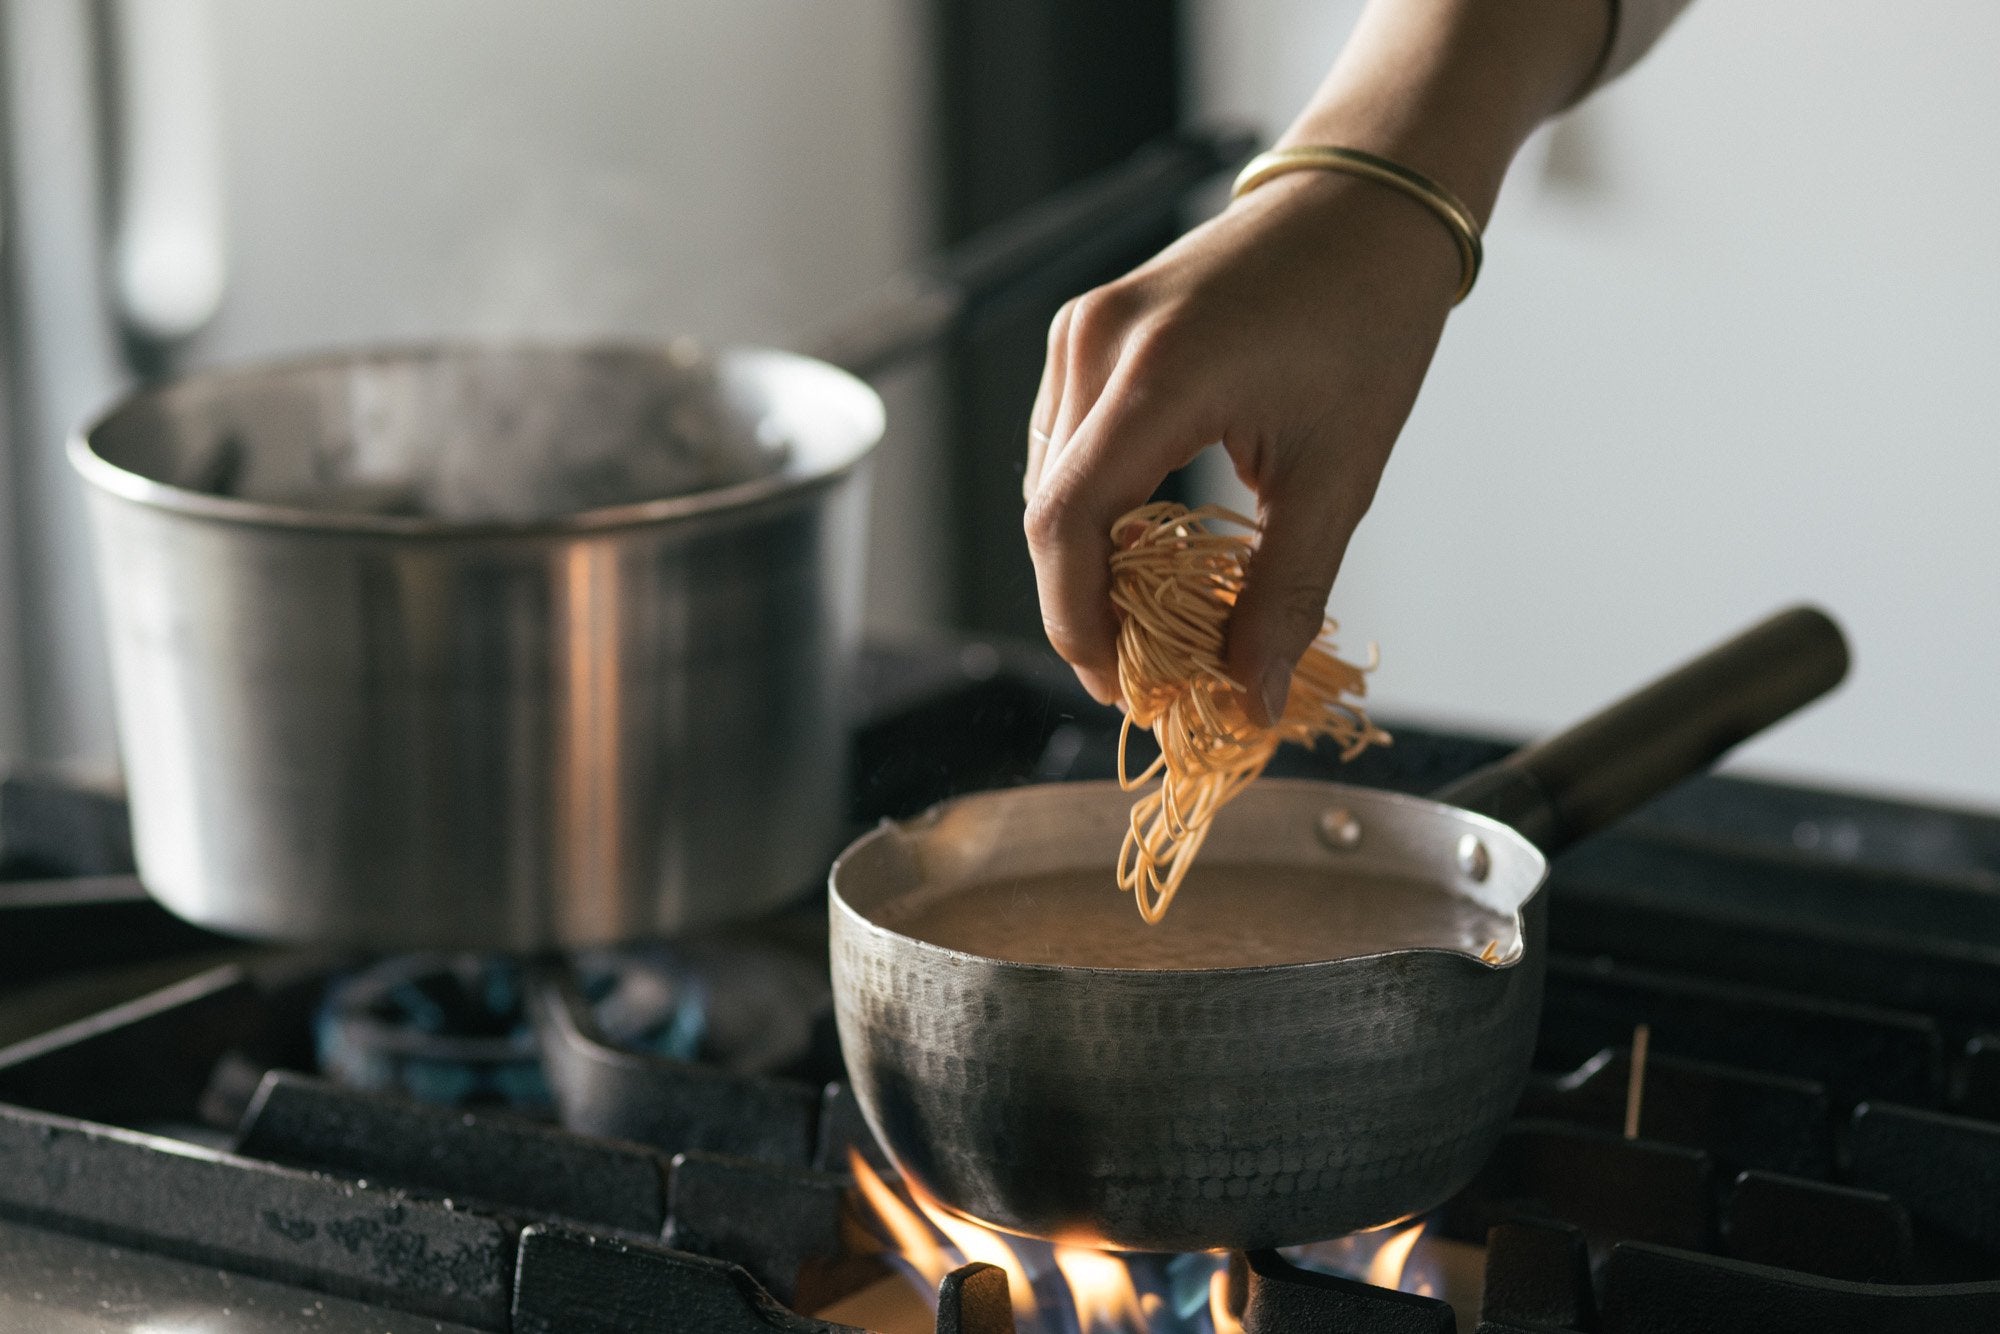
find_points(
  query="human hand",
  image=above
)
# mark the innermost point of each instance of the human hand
(1295, 328)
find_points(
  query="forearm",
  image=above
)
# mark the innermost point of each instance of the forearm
(1452, 88)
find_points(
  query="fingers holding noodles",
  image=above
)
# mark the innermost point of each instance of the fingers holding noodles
(1174, 580)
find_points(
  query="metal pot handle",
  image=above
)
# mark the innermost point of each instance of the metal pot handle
(1575, 783)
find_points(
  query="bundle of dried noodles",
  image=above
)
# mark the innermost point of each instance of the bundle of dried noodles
(1174, 581)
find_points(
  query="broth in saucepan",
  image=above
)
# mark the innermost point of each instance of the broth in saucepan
(1225, 916)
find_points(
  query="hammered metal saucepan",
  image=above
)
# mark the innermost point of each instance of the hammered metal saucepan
(1251, 1107)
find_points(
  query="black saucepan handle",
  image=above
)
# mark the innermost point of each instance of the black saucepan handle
(1575, 783)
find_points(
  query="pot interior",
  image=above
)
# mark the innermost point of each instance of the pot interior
(1294, 872)
(479, 435)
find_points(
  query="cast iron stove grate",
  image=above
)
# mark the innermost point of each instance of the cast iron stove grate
(1817, 1146)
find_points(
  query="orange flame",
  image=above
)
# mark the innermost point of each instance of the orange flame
(1386, 1269)
(1387, 1257)
(1099, 1292)
(913, 1240)
(918, 1243)
(1218, 1304)
(1101, 1287)
(977, 1243)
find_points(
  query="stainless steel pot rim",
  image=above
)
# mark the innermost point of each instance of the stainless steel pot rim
(797, 478)
(1333, 791)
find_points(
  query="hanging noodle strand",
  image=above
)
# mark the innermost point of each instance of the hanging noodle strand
(1174, 580)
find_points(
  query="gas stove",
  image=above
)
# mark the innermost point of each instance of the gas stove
(1767, 1096)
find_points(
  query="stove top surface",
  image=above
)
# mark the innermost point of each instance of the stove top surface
(1768, 1080)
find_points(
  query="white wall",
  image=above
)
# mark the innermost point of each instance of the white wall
(627, 165)
(745, 172)
(1737, 344)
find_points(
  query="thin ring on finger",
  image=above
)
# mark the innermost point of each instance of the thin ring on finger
(1040, 446)
(1048, 402)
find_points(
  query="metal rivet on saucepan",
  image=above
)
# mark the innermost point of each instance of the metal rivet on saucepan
(1338, 829)
(1473, 858)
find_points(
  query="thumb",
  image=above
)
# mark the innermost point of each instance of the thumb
(1284, 596)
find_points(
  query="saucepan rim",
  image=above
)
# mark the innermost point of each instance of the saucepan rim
(789, 481)
(1432, 808)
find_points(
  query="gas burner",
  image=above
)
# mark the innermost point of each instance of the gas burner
(1368, 1282)
(744, 1000)
(446, 1029)
(457, 1030)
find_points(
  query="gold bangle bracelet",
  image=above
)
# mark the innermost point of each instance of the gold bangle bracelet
(1456, 217)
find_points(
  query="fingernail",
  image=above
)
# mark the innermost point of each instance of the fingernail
(1275, 689)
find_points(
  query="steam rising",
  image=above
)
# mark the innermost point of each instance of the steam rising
(485, 436)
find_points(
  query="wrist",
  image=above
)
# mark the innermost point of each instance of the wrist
(1451, 88)
(1448, 211)
(1389, 247)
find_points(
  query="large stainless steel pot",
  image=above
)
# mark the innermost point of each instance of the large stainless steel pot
(531, 720)
(1188, 1109)
(484, 723)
